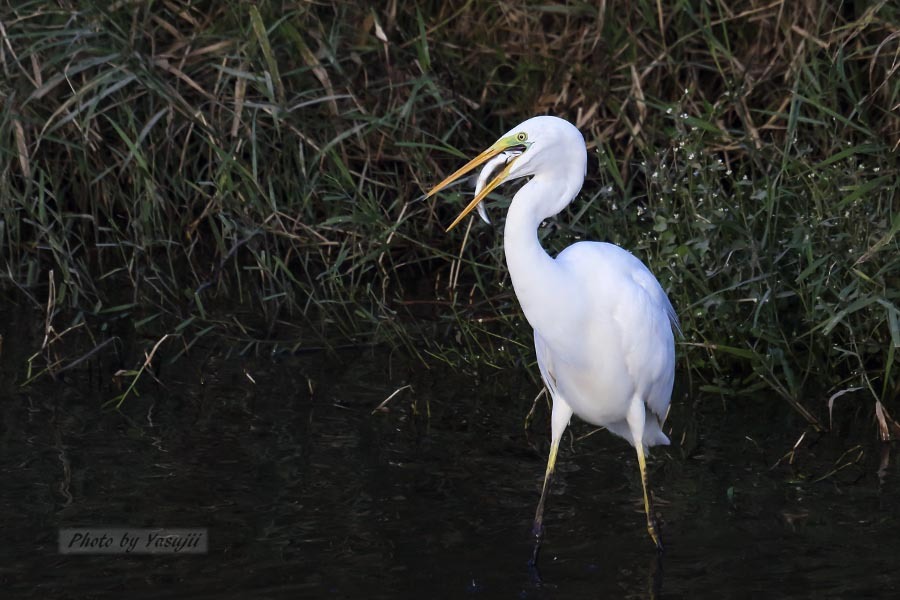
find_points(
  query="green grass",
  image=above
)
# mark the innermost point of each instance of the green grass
(253, 173)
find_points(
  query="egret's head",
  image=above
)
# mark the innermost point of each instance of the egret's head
(538, 145)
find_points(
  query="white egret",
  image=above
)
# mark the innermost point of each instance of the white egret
(603, 326)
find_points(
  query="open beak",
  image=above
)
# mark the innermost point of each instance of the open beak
(503, 145)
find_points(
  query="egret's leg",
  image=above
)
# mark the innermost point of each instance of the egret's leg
(636, 418)
(559, 420)
(538, 527)
(648, 505)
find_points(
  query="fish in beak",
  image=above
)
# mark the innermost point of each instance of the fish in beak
(505, 151)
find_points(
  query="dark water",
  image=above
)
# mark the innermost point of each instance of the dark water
(307, 494)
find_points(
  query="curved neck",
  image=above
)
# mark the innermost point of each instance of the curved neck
(541, 285)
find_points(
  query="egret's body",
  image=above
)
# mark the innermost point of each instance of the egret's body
(622, 352)
(602, 323)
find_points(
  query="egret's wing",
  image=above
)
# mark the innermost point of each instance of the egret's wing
(621, 288)
(644, 278)
(654, 360)
(545, 364)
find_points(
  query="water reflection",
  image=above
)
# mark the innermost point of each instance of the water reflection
(306, 493)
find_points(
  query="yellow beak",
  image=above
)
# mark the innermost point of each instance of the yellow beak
(497, 148)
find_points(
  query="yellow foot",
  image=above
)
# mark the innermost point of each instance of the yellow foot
(654, 534)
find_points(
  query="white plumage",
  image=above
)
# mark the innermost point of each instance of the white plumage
(623, 349)
(603, 326)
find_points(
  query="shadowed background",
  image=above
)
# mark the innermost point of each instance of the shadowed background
(253, 172)
(211, 218)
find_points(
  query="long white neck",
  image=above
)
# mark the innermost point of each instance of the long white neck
(543, 288)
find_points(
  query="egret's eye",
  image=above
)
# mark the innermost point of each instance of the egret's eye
(521, 136)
